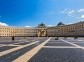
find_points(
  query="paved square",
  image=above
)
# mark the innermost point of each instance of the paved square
(42, 49)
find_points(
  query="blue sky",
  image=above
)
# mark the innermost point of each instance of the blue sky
(33, 12)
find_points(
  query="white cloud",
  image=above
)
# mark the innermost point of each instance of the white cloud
(49, 25)
(75, 14)
(81, 10)
(28, 26)
(68, 12)
(72, 11)
(82, 16)
(3, 24)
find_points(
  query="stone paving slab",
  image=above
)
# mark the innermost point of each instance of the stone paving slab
(55, 41)
(27, 56)
(3, 48)
(24, 43)
(13, 55)
(80, 44)
(59, 55)
(74, 41)
(8, 42)
(62, 50)
(58, 44)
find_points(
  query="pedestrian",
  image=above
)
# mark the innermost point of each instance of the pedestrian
(13, 38)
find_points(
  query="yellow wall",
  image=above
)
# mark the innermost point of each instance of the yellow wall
(65, 30)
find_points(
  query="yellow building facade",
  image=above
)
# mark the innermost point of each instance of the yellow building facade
(76, 29)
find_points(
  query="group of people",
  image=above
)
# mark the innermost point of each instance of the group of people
(76, 37)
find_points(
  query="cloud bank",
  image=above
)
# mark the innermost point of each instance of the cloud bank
(74, 13)
(3, 24)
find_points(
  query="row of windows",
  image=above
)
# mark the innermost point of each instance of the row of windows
(16, 34)
(3, 28)
(71, 26)
(18, 31)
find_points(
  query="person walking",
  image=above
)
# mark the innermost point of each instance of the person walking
(13, 38)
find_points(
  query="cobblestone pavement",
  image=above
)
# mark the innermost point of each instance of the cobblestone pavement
(42, 49)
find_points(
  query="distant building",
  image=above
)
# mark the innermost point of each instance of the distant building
(76, 29)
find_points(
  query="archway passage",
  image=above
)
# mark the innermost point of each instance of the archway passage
(42, 32)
